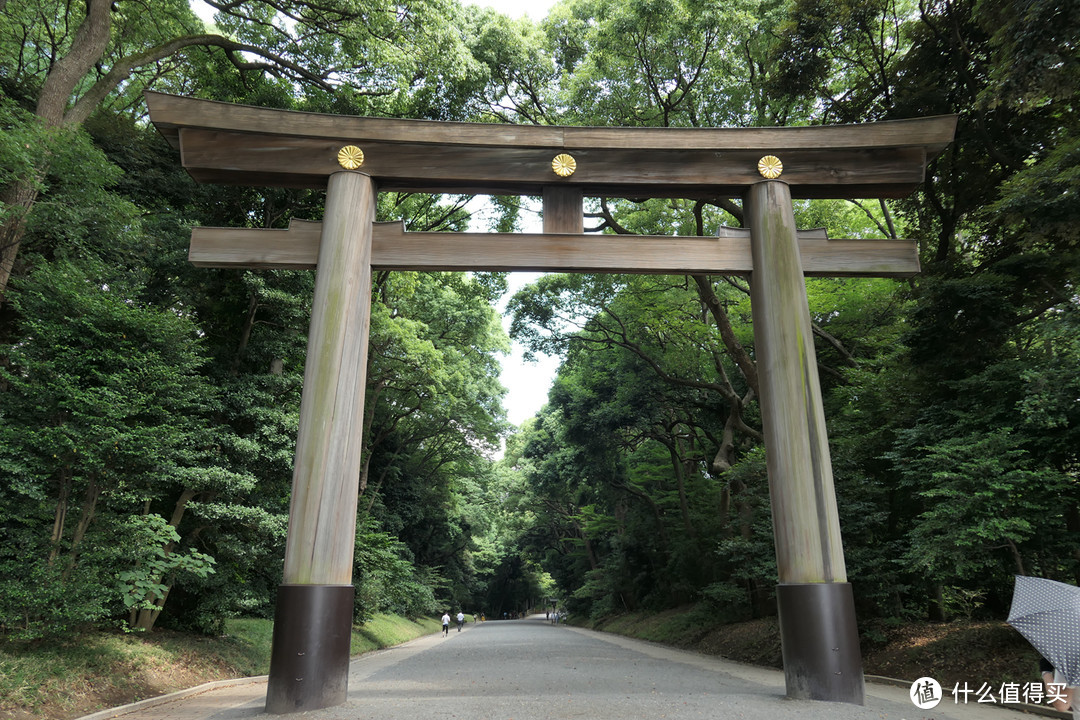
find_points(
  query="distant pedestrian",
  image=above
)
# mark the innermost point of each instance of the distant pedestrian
(446, 623)
(460, 620)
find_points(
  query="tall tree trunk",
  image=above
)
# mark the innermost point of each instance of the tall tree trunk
(60, 516)
(680, 479)
(365, 475)
(86, 516)
(20, 197)
(86, 51)
(1072, 524)
(369, 421)
(91, 40)
(589, 552)
(661, 531)
(1014, 552)
(727, 332)
(374, 494)
(245, 334)
(146, 618)
(935, 604)
(725, 508)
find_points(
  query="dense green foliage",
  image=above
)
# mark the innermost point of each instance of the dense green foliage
(148, 409)
(951, 399)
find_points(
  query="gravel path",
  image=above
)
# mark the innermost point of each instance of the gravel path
(530, 669)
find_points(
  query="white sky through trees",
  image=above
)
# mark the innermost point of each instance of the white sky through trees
(535, 9)
(527, 384)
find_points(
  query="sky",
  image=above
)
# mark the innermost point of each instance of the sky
(527, 383)
(535, 9)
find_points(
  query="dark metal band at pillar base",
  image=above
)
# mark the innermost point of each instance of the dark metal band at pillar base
(820, 641)
(309, 656)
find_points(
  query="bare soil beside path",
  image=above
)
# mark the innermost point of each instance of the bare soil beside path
(955, 652)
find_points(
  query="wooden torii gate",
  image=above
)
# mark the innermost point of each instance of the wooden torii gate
(355, 157)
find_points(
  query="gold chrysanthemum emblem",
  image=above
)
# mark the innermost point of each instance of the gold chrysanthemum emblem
(770, 167)
(564, 165)
(350, 157)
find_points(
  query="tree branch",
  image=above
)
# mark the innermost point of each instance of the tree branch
(727, 332)
(849, 359)
(123, 68)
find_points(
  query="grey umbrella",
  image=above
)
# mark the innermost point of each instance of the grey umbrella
(1047, 613)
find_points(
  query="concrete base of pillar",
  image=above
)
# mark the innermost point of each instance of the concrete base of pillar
(309, 656)
(820, 641)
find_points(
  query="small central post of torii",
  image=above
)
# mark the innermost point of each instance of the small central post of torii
(818, 631)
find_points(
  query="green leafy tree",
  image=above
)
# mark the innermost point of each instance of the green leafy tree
(67, 61)
(433, 414)
(998, 242)
(105, 417)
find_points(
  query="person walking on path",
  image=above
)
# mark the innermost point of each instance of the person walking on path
(460, 620)
(446, 623)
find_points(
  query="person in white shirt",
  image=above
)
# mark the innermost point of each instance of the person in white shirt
(446, 623)
(460, 620)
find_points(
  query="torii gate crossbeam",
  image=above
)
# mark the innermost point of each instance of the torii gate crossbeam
(355, 157)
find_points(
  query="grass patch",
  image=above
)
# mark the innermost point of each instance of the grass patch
(63, 680)
(388, 630)
(682, 627)
(249, 651)
(59, 680)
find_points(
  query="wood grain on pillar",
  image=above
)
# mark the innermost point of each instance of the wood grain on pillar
(805, 521)
(322, 516)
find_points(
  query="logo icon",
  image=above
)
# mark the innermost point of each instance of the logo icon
(925, 693)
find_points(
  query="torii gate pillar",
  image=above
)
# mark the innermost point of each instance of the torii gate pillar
(309, 663)
(818, 631)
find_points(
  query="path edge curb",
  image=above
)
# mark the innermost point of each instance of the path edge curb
(170, 697)
(115, 712)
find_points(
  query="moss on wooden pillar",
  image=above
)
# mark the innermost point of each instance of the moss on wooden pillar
(805, 521)
(322, 516)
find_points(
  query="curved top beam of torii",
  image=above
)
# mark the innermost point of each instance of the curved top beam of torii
(228, 143)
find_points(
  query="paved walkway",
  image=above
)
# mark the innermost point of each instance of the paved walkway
(530, 669)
